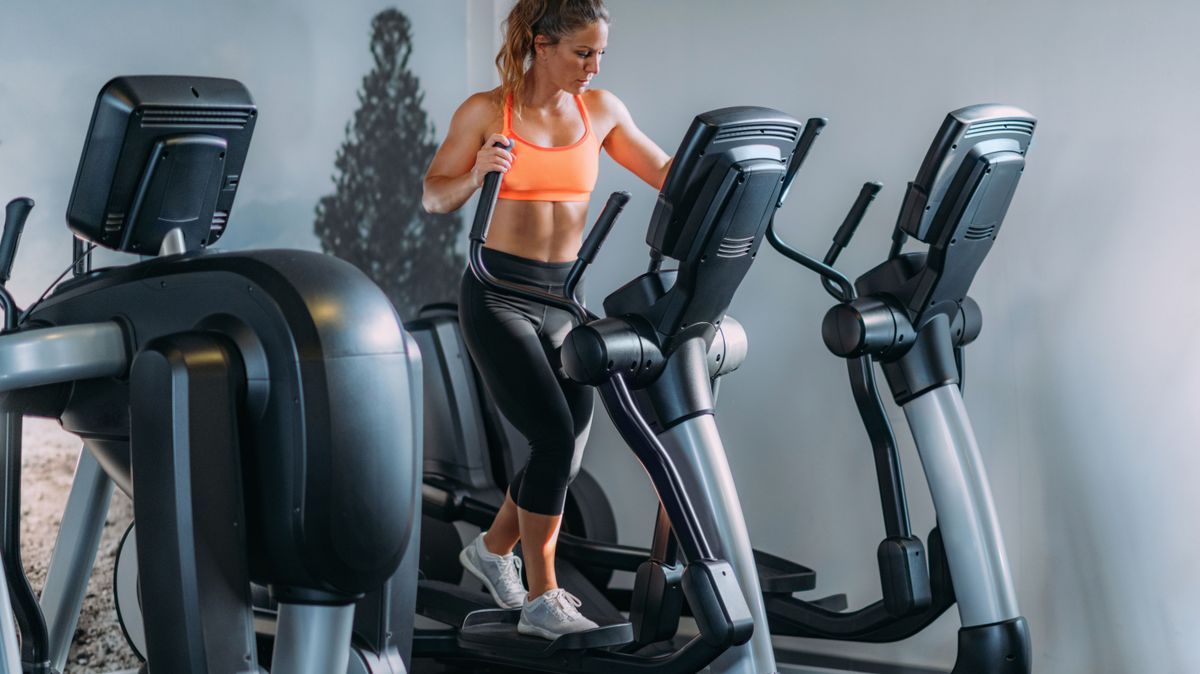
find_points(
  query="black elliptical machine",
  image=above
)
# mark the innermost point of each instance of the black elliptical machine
(654, 359)
(261, 408)
(912, 315)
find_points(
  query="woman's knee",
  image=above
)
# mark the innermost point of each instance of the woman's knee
(555, 460)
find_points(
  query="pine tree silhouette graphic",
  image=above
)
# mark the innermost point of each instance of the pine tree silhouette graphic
(374, 217)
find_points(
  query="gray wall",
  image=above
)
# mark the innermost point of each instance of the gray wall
(302, 61)
(1082, 389)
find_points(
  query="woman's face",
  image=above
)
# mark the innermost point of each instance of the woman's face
(574, 60)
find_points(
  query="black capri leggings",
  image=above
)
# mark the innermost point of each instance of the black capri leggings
(514, 343)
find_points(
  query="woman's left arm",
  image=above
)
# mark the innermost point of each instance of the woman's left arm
(631, 148)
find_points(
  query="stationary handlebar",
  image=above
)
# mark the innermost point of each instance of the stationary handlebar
(15, 214)
(487, 202)
(835, 282)
(595, 238)
(587, 252)
(862, 373)
(14, 223)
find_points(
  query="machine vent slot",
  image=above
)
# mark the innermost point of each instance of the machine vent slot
(220, 219)
(783, 131)
(731, 247)
(219, 118)
(977, 232)
(999, 126)
(113, 221)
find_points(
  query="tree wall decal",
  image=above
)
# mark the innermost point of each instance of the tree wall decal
(374, 217)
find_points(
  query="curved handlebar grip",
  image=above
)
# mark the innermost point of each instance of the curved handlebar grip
(487, 202)
(854, 217)
(608, 216)
(812, 129)
(14, 223)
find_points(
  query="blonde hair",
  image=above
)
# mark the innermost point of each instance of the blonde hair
(529, 18)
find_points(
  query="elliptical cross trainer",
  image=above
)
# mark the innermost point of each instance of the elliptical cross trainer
(261, 409)
(653, 359)
(912, 314)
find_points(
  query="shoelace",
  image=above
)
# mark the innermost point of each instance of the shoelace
(510, 574)
(563, 605)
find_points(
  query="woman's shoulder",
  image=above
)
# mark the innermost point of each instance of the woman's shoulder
(604, 104)
(479, 115)
(482, 104)
(606, 110)
(602, 100)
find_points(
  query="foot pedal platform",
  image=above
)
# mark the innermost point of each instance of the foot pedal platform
(498, 628)
(777, 575)
(834, 602)
(449, 604)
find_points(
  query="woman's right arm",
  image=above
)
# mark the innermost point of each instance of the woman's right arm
(465, 157)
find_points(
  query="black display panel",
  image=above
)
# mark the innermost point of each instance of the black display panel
(162, 153)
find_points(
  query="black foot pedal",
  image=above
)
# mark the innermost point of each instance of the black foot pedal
(834, 602)
(498, 628)
(777, 575)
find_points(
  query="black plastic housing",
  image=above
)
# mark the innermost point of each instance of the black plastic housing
(331, 480)
(161, 153)
(717, 602)
(714, 209)
(958, 202)
(1000, 648)
(593, 352)
(715, 140)
(657, 601)
(961, 135)
(904, 575)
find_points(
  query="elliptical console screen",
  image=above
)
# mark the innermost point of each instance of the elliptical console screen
(966, 133)
(162, 153)
(715, 141)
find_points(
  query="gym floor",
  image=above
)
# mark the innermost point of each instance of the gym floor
(424, 667)
(789, 654)
(789, 663)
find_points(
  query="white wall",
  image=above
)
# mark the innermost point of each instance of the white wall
(1082, 387)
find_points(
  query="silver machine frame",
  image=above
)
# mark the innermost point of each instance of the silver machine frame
(962, 497)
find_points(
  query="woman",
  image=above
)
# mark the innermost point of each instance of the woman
(557, 125)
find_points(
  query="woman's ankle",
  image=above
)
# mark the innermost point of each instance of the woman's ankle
(537, 591)
(496, 547)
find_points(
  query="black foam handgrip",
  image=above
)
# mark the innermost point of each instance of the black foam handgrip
(487, 202)
(14, 223)
(854, 217)
(608, 216)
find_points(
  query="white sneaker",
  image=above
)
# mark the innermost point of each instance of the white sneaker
(500, 574)
(552, 615)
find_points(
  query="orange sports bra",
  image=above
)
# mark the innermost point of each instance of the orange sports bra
(538, 173)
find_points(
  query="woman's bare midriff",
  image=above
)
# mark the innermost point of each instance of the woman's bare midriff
(549, 231)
